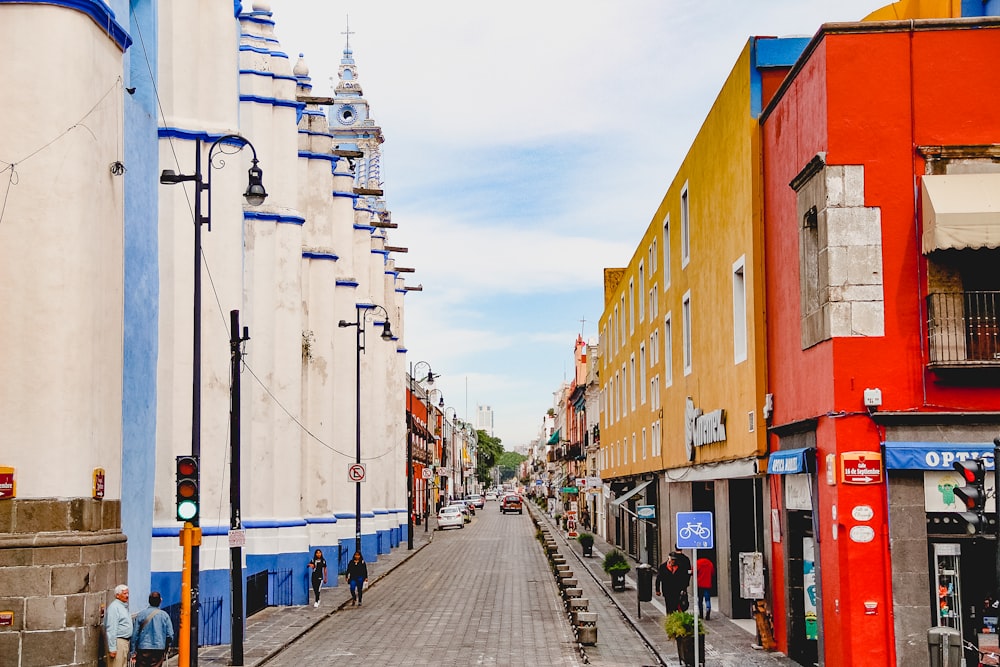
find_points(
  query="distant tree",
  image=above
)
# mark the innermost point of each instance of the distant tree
(490, 449)
(508, 463)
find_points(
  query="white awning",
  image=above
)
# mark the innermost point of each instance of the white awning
(619, 500)
(961, 211)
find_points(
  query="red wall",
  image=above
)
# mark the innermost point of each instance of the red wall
(867, 99)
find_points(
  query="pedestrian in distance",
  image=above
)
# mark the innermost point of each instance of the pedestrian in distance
(118, 627)
(672, 582)
(706, 571)
(357, 577)
(152, 635)
(318, 567)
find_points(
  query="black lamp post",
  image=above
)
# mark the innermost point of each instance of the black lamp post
(409, 448)
(363, 311)
(255, 195)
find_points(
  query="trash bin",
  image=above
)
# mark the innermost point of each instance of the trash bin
(645, 573)
(945, 646)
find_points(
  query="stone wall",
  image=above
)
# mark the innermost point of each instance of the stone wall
(60, 560)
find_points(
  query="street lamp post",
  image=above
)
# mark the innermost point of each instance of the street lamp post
(255, 195)
(363, 310)
(409, 449)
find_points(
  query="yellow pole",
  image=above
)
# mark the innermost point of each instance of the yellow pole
(184, 632)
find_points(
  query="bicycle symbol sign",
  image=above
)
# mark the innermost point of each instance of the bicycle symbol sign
(356, 473)
(694, 530)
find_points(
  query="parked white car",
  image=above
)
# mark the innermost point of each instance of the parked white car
(450, 516)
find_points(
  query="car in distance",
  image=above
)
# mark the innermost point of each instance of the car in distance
(491, 495)
(511, 503)
(464, 509)
(450, 516)
(477, 500)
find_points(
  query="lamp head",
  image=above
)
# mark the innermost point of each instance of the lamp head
(255, 194)
(430, 377)
(386, 331)
(441, 402)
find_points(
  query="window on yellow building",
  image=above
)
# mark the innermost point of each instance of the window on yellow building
(685, 227)
(686, 332)
(666, 252)
(642, 374)
(642, 291)
(668, 352)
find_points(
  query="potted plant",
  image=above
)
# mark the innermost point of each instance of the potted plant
(586, 541)
(679, 626)
(616, 564)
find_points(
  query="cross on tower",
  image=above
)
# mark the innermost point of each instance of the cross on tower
(583, 324)
(348, 32)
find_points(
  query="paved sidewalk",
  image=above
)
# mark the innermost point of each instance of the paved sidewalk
(274, 628)
(727, 644)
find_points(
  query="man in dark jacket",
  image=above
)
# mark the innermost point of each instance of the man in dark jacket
(152, 635)
(671, 580)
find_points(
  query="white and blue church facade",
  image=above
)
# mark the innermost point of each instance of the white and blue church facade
(97, 318)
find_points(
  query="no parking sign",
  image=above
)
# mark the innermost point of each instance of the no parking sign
(356, 473)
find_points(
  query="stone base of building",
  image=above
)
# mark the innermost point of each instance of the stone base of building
(60, 560)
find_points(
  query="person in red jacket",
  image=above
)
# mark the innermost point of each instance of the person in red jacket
(706, 570)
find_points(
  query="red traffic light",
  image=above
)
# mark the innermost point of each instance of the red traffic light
(186, 466)
(973, 497)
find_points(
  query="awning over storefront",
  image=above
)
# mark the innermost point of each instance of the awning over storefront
(554, 438)
(629, 494)
(934, 455)
(961, 211)
(791, 461)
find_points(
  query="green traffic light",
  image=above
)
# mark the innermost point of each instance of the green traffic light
(187, 510)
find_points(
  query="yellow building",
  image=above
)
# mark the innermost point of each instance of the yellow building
(682, 343)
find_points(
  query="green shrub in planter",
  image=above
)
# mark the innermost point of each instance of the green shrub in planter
(680, 624)
(615, 561)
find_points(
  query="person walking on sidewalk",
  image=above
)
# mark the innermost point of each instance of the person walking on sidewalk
(671, 581)
(706, 570)
(357, 576)
(318, 567)
(118, 627)
(153, 634)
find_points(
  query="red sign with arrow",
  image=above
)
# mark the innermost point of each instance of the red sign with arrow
(861, 467)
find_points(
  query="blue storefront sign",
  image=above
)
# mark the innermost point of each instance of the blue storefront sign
(934, 455)
(791, 461)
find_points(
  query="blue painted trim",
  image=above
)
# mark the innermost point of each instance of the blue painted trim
(254, 17)
(319, 255)
(401, 291)
(366, 306)
(99, 11)
(346, 283)
(366, 227)
(270, 75)
(274, 217)
(267, 52)
(188, 135)
(310, 133)
(403, 350)
(384, 253)
(381, 511)
(348, 195)
(319, 156)
(394, 274)
(352, 515)
(321, 519)
(273, 101)
(343, 515)
(175, 531)
(273, 523)
(237, 8)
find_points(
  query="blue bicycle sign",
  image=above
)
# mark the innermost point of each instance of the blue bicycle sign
(694, 530)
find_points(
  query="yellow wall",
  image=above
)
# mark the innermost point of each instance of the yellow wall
(722, 177)
(917, 9)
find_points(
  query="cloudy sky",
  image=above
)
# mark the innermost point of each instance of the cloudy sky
(528, 145)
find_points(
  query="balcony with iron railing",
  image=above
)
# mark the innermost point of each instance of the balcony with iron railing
(963, 330)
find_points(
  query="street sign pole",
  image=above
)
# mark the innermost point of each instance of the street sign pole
(695, 530)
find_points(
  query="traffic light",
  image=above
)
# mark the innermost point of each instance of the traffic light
(973, 494)
(188, 502)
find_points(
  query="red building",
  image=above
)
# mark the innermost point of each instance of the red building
(881, 183)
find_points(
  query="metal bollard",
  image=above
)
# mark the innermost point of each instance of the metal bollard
(573, 593)
(586, 627)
